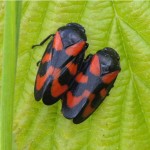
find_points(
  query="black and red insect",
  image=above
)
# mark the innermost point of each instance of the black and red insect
(91, 85)
(60, 62)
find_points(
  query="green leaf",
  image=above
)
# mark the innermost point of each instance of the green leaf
(123, 120)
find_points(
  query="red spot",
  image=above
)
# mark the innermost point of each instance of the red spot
(72, 68)
(75, 49)
(86, 93)
(57, 43)
(56, 73)
(81, 78)
(108, 78)
(103, 92)
(40, 80)
(89, 109)
(57, 89)
(47, 57)
(72, 101)
(95, 66)
(91, 97)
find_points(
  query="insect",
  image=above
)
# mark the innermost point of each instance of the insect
(61, 60)
(91, 85)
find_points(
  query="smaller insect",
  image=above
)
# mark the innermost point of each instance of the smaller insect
(91, 85)
(60, 62)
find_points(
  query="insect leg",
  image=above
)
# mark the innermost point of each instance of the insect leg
(86, 46)
(38, 62)
(43, 41)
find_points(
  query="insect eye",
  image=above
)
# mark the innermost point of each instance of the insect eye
(105, 69)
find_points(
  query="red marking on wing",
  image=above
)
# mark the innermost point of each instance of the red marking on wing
(57, 89)
(86, 93)
(72, 68)
(81, 78)
(88, 109)
(56, 73)
(108, 78)
(72, 101)
(57, 43)
(75, 49)
(47, 57)
(103, 92)
(95, 66)
(40, 80)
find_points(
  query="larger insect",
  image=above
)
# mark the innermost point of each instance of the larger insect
(91, 85)
(60, 62)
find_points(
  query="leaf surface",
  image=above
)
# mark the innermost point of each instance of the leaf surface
(123, 120)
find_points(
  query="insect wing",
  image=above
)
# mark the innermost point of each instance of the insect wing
(44, 71)
(101, 91)
(59, 86)
(109, 67)
(50, 66)
(76, 97)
